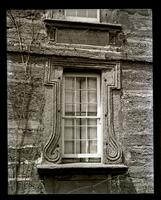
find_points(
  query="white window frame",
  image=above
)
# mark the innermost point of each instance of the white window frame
(98, 117)
(83, 19)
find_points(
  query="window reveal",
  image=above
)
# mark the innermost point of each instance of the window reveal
(81, 116)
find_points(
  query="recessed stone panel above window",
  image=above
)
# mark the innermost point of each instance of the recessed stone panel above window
(85, 33)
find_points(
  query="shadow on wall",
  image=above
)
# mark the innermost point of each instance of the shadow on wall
(89, 184)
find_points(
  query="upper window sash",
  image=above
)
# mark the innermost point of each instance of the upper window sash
(75, 16)
(74, 75)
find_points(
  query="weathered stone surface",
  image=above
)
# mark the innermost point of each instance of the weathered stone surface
(26, 187)
(22, 154)
(81, 187)
(118, 184)
(126, 184)
(139, 139)
(136, 79)
(86, 185)
(142, 99)
(137, 120)
(109, 16)
(25, 101)
(143, 185)
(141, 171)
(83, 37)
(29, 136)
(23, 170)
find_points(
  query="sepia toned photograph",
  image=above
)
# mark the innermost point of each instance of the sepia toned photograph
(80, 101)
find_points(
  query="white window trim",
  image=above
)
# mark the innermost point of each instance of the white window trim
(98, 117)
(83, 19)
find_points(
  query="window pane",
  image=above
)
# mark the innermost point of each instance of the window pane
(92, 13)
(69, 83)
(80, 83)
(92, 146)
(78, 113)
(92, 110)
(71, 12)
(68, 147)
(92, 122)
(69, 96)
(81, 109)
(69, 109)
(68, 122)
(80, 132)
(68, 133)
(92, 97)
(81, 96)
(92, 83)
(92, 133)
(81, 147)
(81, 12)
(80, 122)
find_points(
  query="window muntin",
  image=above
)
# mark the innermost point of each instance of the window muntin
(86, 15)
(81, 115)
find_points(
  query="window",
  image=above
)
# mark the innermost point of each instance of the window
(81, 120)
(86, 15)
(80, 113)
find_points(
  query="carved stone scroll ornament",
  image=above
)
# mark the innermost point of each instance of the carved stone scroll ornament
(52, 151)
(113, 149)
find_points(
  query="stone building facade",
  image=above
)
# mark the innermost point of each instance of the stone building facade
(45, 48)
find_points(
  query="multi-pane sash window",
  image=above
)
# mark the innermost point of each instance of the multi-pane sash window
(91, 15)
(81, 115)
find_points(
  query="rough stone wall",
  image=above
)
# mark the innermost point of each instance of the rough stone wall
(137, 27)
(25, 107)
(136, 123)
(135, 115)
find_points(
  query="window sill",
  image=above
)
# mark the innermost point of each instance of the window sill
(80, 24)
(82, 168)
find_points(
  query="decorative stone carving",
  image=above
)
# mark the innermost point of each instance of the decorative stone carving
(52, 150)
(111, 81)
